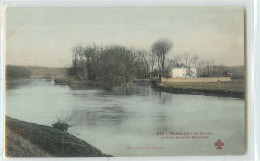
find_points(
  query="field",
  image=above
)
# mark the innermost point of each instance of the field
(234, 88)
(233, 85)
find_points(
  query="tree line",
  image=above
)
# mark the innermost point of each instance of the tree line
(117, 65)
(17, 72)
(207, 67)
(111, 65)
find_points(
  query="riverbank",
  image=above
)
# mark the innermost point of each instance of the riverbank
(24, 139)
(16, 81)
(234, 88)
(73, 83)
(17, 73)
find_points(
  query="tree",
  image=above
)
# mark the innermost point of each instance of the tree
(161, 47)
(77, 61)
(186, 57)
(108, 66)
(142, 56)
(194, 60)
(177, 60)
(152, 60)
(170, 63)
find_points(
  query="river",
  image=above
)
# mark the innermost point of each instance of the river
(130, 121)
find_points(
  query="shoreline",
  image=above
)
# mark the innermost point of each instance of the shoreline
(88, 84)
(193, 91)
(154, 84)
(25, 139)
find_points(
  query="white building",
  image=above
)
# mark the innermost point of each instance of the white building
(179, 72)
(184, 72)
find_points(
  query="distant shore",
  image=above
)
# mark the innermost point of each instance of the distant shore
(234, 88)
(231, 89)
(24, 139)
(87, 84)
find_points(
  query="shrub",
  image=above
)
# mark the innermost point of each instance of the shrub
(62, 123)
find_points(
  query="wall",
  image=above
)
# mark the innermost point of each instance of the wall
(179, 72)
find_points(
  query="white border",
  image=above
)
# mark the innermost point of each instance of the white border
(2, 80)
(251, 25)
(257, 80)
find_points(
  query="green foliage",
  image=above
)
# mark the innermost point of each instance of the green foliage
(110, 66)
(17, 72)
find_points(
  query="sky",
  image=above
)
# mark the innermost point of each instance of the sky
(46, 36)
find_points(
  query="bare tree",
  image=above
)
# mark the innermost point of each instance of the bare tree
(143, 57)
(186, 57)
(170, 63)
(177, 60)
(152, 60)
(202, 68)
(78, 61)
(161, 47)
(194, 60)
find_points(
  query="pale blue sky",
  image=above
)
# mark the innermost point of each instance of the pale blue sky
(46, 36)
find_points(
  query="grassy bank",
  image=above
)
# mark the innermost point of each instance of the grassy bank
(234, 88)
(24, 139)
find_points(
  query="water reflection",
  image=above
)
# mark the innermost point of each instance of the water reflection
(141, 89)
(28, 82)
(165, 97)
(130, 116)
(106, 116)
(17, 84)
(161, 120)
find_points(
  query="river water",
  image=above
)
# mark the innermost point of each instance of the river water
(130, 121)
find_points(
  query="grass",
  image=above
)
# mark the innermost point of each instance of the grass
(236, 85)
(234, 88)
(24, 139)
(17, 146)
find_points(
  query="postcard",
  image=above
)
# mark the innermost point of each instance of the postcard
(125, 81)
